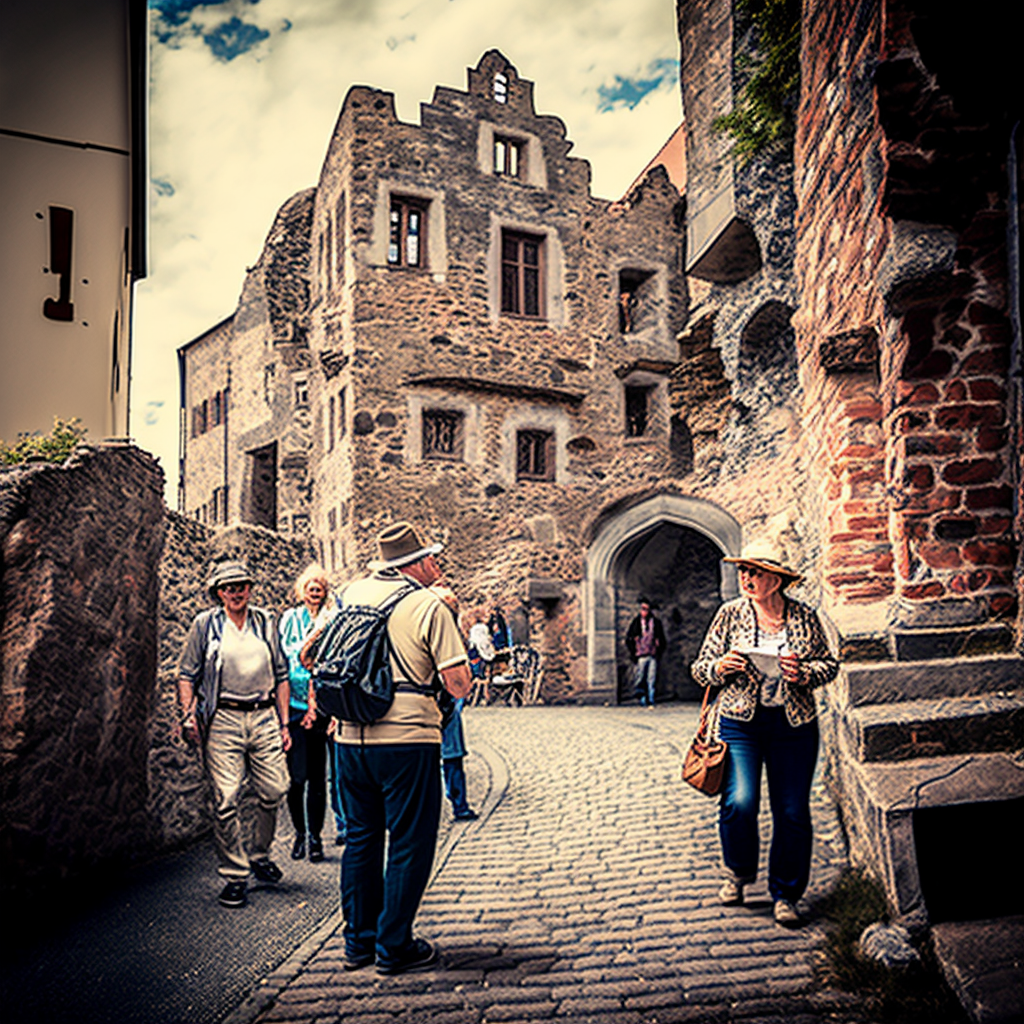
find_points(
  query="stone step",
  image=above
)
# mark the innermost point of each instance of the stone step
(934, 727)
(890, 682)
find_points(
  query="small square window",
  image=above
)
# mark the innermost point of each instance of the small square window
(509, 157)
(407, 233)
(535, 455)
(634, 299)
(301, 394)
(442, 434)
(636, 410)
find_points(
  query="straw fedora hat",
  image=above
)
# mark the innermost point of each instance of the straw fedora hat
(224, 573)
(399, 544)
(766, 556)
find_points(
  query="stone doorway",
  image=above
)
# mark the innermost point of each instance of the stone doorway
(679, 571)
(669, 546)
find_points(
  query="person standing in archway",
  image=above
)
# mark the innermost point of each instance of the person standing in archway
(645, 641)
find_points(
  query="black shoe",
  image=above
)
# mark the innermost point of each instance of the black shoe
(358, 962)
(316, 849)
(467, 815)
(420, 956)
(340, 839)
(233, 894)
(266, 871)
(299, 848)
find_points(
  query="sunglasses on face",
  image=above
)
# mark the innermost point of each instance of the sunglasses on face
(234, 588)
(752, 571)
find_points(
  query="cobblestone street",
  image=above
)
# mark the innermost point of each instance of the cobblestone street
(585, 892)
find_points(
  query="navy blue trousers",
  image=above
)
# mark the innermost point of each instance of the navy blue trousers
(393, 791)
(788, 755)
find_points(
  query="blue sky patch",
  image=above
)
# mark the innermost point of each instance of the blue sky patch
(233, 38)
(628, 92)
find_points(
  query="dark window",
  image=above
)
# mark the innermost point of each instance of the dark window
(442, 434)
(634, 298)
(509, 156)
(301, 393)
(407, 238)
(215, 410)
(332, 519)
(636, 411)
(535, 455)
(330, 424)
(521, 267)
(200, 417)
(341, 413)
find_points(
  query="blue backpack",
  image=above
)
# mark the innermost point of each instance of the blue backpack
(352, 677)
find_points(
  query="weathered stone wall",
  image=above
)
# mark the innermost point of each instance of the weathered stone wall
(81, 547)
(99, 587)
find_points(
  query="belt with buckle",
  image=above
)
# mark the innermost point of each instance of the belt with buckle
(245, 705)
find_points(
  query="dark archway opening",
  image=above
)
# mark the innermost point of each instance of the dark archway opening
(679, 571)
(262, 505)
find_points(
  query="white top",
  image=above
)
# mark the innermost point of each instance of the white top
(246, 672)
(766, 657)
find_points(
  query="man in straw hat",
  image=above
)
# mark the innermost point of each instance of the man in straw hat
(390, 771)
(233, 691)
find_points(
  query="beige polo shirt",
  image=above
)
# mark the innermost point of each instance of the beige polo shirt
(424, 635)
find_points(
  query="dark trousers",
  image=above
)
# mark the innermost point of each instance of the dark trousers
(455, 784)
(307, 764)
(788, 755)
(393, 790)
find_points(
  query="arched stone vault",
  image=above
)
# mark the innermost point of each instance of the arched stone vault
(599, 591)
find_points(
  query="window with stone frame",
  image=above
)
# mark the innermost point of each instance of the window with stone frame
(200, 414)
(535, 455)
(500, 87)
(637, 410)
(331, 407)
(302, 394)
(634, 299)
(443, 434)
(407, 237)
(342, 422)
(509, 157)
(216, 417)
(522, 274)
(332, 519)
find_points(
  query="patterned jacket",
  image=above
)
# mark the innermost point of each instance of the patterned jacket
(735, 628)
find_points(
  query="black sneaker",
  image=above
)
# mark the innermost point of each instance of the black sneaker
(266, 871)
(420, 956)
(233, 894)
(299, 848)
(467, 815)
(357, 961)
(316, 849)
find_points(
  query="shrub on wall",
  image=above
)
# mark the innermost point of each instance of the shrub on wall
(53, 447)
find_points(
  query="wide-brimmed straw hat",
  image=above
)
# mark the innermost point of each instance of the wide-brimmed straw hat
(224, 573)
(766, 556)
(399, 544)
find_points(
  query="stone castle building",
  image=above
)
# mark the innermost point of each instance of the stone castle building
(451, 328)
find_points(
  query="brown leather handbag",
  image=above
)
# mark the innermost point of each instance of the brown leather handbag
(704, 766)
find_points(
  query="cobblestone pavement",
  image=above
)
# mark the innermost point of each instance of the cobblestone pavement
(585, 892)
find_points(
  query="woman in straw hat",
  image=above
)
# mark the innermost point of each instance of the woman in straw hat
(765, 653)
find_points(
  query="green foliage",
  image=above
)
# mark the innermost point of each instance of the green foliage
(764, 116)
(53, 447)
(914, 995)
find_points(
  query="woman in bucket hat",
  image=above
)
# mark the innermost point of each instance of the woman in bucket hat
(765, 653)
(233, 691)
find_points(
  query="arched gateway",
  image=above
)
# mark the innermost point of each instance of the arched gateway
(668, 548)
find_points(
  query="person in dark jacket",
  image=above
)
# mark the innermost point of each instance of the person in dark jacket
(645, 641)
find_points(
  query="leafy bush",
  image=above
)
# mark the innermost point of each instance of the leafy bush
(53, 447)
(764, 116)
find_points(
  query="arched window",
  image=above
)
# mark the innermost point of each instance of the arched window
(500, 87)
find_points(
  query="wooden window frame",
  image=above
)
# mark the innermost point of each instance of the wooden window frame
(456, 420)
(405, 206)
(530, 443)
(515, 274)
(505, 146)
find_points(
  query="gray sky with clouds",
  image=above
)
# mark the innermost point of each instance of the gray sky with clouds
(244, 96)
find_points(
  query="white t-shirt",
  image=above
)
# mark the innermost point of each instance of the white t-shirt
(766, 657)
(246, 672)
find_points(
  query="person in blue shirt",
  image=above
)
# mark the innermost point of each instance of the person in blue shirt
(307, 758)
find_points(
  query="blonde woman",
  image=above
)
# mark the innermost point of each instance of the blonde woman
(307, 758)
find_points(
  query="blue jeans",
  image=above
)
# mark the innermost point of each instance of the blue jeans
(789, 756)
(455, 784)
(645, 676)
(393, 789)
(334, 773)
